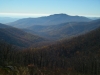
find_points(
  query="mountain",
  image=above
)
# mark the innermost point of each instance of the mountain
(48, 20)
(5, 20)
(64, 30)
(17, 37)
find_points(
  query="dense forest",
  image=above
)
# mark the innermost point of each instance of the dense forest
(76, 56)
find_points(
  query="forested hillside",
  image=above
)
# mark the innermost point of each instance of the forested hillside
(77, 56)
(18, 37)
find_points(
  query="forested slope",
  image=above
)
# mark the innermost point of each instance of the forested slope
(17, 37)
(79, 55)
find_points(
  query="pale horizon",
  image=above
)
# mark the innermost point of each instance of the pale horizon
(26, 15)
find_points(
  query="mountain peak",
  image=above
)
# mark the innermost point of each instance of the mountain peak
(49, 20)
(61, 14)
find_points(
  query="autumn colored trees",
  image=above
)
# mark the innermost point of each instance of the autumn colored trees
(80, 55)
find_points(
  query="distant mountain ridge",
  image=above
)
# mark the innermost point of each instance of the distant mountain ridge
(48, 20)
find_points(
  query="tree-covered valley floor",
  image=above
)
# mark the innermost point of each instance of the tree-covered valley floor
(77, 56)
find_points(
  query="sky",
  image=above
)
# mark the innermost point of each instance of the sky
(37, 8)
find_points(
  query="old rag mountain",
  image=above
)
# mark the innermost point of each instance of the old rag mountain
(48, 20)
(17, 37)
(64, 30)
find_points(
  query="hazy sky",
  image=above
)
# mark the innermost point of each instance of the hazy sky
(35, 8)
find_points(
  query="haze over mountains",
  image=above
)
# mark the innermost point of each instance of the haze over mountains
(94, 18)
(48, 20)
(7, 19)
(56, 26)
(64, 30)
